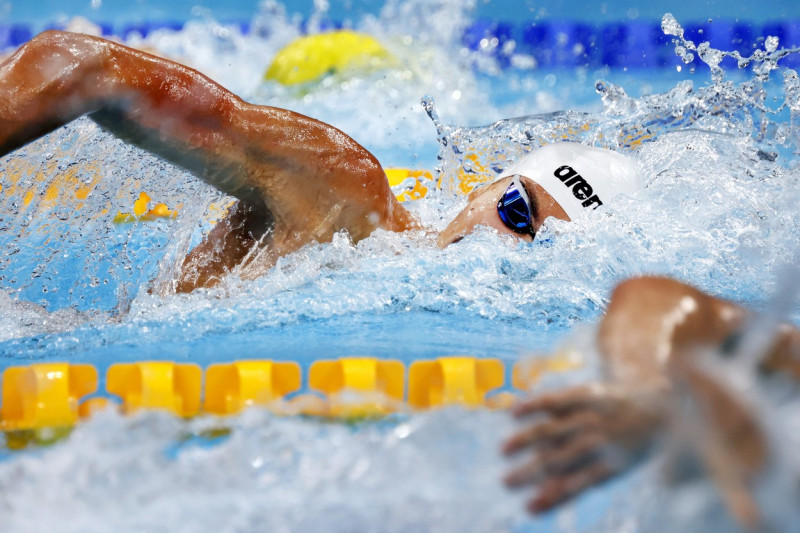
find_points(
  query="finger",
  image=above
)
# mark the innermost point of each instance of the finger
(556, 402)
(551, 431)
(558, 490)
(557, 461)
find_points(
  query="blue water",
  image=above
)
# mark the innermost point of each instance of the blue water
(718, 211)
(498, 10)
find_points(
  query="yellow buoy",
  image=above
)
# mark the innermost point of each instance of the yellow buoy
(453, 380)
(44, 395)
(156, 385)
(378, 385)
(230, 387)
(311, 57)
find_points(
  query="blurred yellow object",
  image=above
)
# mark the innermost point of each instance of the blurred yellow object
(92, 406)
(309, 58)
(44, 395)
(472, 174)
(141, 213)
(408, 184)
(528, 372)
(501, 400)
(234, 386)
(161, 210)
(309, 405)
(47, 186)
(453, 380)
(377, 384)
(156, 385)
(140, 205)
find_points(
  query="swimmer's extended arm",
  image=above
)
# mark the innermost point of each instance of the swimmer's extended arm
(161, 106)
(307, 178)
(651, 332)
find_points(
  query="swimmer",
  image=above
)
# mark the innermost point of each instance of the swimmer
(297, 180)
(652, 330)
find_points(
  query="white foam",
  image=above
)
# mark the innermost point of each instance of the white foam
(718, 211)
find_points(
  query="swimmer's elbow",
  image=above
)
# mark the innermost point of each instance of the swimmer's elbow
(71, 44)
(633, 332)
(640, 291)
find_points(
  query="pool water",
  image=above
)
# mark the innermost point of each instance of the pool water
(719, 211)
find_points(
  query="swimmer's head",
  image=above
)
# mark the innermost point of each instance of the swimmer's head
(561, 180)
(481, 210)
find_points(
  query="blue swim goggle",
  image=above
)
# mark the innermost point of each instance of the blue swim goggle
(516, 210)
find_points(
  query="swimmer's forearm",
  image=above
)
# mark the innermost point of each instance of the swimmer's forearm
(51, 80)
(312, 178)
(158, 105)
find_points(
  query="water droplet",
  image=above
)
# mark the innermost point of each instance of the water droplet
(771, 43)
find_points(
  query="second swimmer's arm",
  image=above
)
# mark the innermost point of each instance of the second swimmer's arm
(650, 336)
(653, 333)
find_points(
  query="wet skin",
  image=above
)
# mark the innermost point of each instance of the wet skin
(650, 339)
(481, 210)
(298, 180)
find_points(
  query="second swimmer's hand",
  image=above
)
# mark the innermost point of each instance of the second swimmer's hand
(578, 438)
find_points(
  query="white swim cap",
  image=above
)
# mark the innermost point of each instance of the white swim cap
(580, 178)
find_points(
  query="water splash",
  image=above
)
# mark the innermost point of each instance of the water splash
(763, 62)
(399, 476)
(430, 108)
(718, 211)
(471, 156)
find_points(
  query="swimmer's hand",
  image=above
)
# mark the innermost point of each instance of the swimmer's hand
(582, 436)
(579, 438)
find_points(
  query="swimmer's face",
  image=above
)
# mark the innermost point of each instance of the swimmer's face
(481, 210)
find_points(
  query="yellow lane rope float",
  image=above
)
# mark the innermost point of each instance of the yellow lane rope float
(49, 397)
(311, 57)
